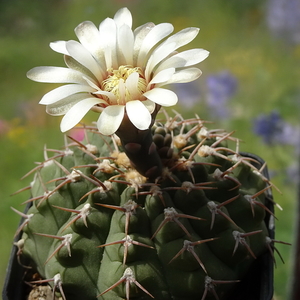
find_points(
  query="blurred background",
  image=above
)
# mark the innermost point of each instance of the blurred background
(250, 83)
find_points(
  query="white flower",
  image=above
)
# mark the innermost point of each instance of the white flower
(118, 71)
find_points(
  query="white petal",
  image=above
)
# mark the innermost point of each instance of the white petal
(162, 76)
(112, 98)
(157, 57)
(63, 92)
(110, 119)
(60, 47)
(182, 37)
(132, 85)
(76, 113)
(121, 99)
(125, 45)
(89, 36)
(91, 82)
(55, 75)
(62, 106)
(175, 41)
(162, 97)
(108, 37)
(149, 105)
(156, 34)
(139, 35)
(108, 31)
(185, 75)
(72, 63)
(138, 114)
(84, 57)
(123, 16)
(184, 59)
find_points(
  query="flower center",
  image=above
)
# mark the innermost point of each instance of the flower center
(116, 84)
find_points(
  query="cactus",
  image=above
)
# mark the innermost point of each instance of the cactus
(98, 228)
(141, 208)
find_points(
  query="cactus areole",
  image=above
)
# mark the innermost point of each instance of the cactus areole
(147, 206)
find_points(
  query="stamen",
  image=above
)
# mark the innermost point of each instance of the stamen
(116, 84)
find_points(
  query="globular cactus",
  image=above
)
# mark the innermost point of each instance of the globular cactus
(98, 228)
(140, 209)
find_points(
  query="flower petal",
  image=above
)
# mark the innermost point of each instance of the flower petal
(62, 106)
(184, 59)
(75, 65)
(121, 98)
(182, 37)
(88, 35)
(108, 37)
(59, 47)
(155, 35)
(55, 75)
(132, 85)
(138, 114)
(162, 97)
(157, 57)
(123, 16)
(162, 76)
(175, 41)
(112, 98)
(139, 35)
(125, 45)
(76, 113)
(110, 119)
(149, 105)
(63, 92)
(84, 57)
(185, 75)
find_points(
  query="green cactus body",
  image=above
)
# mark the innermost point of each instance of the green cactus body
(100, 229)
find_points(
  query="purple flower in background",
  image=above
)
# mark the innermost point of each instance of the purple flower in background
(220, 88)
(283, 19)
(268, 126)
(274, 130)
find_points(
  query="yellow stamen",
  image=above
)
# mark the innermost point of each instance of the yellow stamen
(115, 83)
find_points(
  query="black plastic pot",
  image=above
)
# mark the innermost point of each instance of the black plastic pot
(256, 285)
(14, 286)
